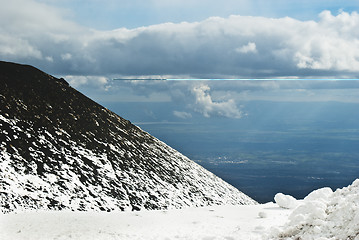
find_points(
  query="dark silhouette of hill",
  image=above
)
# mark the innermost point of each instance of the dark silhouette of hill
(61, 150)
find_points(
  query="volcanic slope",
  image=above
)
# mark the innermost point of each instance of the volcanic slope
(61, 150)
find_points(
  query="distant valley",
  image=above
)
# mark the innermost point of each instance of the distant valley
(289, 147)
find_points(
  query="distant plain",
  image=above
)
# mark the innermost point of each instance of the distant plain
(289, 147)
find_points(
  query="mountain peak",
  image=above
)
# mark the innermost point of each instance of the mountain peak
(61, 150)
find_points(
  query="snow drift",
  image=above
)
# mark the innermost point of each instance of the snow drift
(324, 215)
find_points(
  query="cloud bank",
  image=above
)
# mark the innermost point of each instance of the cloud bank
(237, 46)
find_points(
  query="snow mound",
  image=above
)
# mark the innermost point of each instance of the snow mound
(285, 201)
(322, 194)
(324, 215)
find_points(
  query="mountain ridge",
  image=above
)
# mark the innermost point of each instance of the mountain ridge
(62, 150)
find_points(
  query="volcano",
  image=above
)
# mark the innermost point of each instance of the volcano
(61, 150)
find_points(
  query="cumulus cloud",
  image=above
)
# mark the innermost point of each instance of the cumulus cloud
(42, 35)
(183, 115)
(208, 107)
(94, 81)
(18, 48)
(195, 96)
(249, 48)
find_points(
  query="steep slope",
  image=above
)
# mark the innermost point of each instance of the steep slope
(61, 150)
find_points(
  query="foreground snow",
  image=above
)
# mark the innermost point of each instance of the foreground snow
(322, 215)
(220, 222)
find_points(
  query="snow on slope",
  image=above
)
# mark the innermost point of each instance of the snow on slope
(60, 150)
(322, 215)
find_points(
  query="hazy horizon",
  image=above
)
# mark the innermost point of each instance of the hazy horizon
(263, 137)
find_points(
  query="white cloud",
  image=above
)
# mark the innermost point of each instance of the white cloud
(249, 48)
(34, 32)
(284, 46)
(205, 105)
(49, 59)
(13, 47)
(183, 115)
(95, 81)
(66, 56)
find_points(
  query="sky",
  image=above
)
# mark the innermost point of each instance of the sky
(90, 43)
(172, 38)
(112, 14)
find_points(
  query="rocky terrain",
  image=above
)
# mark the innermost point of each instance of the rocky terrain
(61, 150)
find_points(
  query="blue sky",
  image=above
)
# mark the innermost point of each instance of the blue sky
(111, 14)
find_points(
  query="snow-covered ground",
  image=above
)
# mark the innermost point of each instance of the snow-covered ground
(220, 222)
(322, 215)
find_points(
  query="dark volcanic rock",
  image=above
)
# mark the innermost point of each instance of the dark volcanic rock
(61, 150)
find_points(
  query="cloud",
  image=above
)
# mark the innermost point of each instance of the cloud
(66, 56)
(198, 96)
(205, 105)
(18, 48)
(223, 47)
(94, 81)
(195, 96)
(249, 48)
(183, 115)
(50, 59)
